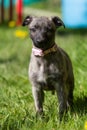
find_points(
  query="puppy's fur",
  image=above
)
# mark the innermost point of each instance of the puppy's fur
(52, 71)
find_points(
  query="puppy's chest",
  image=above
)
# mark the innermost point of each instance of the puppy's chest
(48, 73)
(45, 72)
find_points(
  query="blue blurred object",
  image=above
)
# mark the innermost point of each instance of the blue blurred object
(7, 3)
(75, 13)
(26, 2)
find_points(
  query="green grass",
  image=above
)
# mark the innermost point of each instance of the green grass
(17, 110)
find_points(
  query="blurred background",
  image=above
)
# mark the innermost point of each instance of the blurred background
(15, 50)
(73, 12)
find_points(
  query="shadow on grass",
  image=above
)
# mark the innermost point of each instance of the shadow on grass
(10, 59)
(4, 25)
(80, 105)
(67, 31)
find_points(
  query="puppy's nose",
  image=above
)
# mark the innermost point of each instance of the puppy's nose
(38, 40)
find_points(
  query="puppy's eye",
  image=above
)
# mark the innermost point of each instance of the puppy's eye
(32, 29)
(49, 28)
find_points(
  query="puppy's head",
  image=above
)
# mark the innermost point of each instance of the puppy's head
(42, 30)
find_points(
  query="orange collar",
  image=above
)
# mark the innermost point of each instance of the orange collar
(41, 53)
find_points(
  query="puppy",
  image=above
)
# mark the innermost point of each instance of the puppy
(50, 67)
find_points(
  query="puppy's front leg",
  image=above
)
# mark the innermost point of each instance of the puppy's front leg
(38, 96)
(62, 97)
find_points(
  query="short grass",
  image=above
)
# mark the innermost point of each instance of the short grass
(17, 110)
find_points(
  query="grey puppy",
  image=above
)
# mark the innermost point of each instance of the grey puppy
(50, 67)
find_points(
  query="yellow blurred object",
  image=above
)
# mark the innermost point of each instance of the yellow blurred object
(85, 126)
(12, 24)
(21, 34)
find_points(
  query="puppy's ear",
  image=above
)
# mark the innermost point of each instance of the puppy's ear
(27, 21)
(58, 22)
